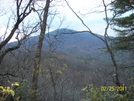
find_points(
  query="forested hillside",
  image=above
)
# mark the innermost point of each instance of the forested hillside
(67, 65)
(41, 59)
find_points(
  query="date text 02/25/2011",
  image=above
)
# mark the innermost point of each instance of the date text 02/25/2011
(113, 88)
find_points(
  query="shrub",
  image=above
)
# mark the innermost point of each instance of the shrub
(96, 94)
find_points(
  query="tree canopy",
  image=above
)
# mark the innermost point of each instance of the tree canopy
(124, 24)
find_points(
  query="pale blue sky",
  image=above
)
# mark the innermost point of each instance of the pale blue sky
(94, 20)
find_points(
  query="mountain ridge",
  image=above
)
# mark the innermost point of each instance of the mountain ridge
(81, 44)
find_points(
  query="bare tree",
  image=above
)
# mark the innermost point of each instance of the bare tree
(43, 24)
(105, 39)
(21, 13)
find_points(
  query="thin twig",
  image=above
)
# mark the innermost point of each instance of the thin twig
(89, 30)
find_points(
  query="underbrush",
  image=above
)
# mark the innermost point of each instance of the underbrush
(109, 93)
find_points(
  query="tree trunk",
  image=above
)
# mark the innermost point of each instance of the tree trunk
(38, 52)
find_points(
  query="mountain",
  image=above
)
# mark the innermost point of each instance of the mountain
(80, 51)
(79, 44)
(76, 46)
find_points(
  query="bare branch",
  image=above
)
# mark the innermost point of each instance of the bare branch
(105, 40)
(8, 74)
(5, 51)
(20, 17)
(117, 82)
(83, 22)
(19, 20)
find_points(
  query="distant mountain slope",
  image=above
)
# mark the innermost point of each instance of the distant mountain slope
(79, 44)
(80, 51)
(82, 45)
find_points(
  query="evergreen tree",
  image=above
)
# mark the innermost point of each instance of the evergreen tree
(123, 24)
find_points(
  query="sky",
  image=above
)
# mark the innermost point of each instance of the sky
(84, 8)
